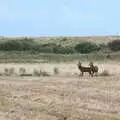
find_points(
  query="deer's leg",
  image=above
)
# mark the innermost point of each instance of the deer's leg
(82, 73)
(91, 73)
(96, 73)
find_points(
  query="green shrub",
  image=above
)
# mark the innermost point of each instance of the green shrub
(10, 45)
(86, 47)
(26, 74)
(64, 39)
(114, 45)
(64, 50)
(27, 44)
(17, 45)
(103, 46)
(53, 48)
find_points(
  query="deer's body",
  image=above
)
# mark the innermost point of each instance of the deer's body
(85, 69)
(94, 68)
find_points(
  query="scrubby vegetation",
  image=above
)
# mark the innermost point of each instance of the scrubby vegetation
(114, 45)
(58, 49)
(86, 47)
(31, 45)
(63, 46)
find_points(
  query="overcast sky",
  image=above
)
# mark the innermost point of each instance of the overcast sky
(59, 17)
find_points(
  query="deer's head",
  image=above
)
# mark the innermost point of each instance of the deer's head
(91, 64)
(79, 63)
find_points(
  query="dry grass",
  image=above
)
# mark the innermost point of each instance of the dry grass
(111, 68)
(66, 96)
(60, 98)
(36, 72)
(22, 71)
(6, 71)
(56, 71)
(9, 71)
(44, 73)
(12, 71)
(105, 73)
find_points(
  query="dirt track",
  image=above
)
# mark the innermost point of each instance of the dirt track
(58, 98)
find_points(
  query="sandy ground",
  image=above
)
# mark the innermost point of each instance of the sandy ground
(61, 97)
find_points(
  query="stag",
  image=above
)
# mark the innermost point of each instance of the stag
(94, 68)
(85, 69)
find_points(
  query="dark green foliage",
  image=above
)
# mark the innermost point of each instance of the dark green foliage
(18, 45)
(86, 47)
(27, 44)
(64, 39)
(9, 45)
(31, 45)
(63, 50)
(103, 46)
(114, 45)
(53, 48)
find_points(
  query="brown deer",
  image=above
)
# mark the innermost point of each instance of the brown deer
(94, 68)
(85, 69)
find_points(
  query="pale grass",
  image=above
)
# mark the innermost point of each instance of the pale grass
(105, 73)
(60, 98)
(70, 68)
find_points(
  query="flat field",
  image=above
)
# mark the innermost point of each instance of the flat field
(62, 96)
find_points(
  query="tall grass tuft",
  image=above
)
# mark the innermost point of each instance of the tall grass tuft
(22, 71)
(11, 71)
(36, 72)
(105, 73)
(56, 71)
(44, 73)
(6, 71)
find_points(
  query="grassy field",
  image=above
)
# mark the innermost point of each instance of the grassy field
(51, 87)
(62, 96)
(28, 57)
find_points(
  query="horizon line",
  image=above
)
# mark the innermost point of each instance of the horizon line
(38, 36)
